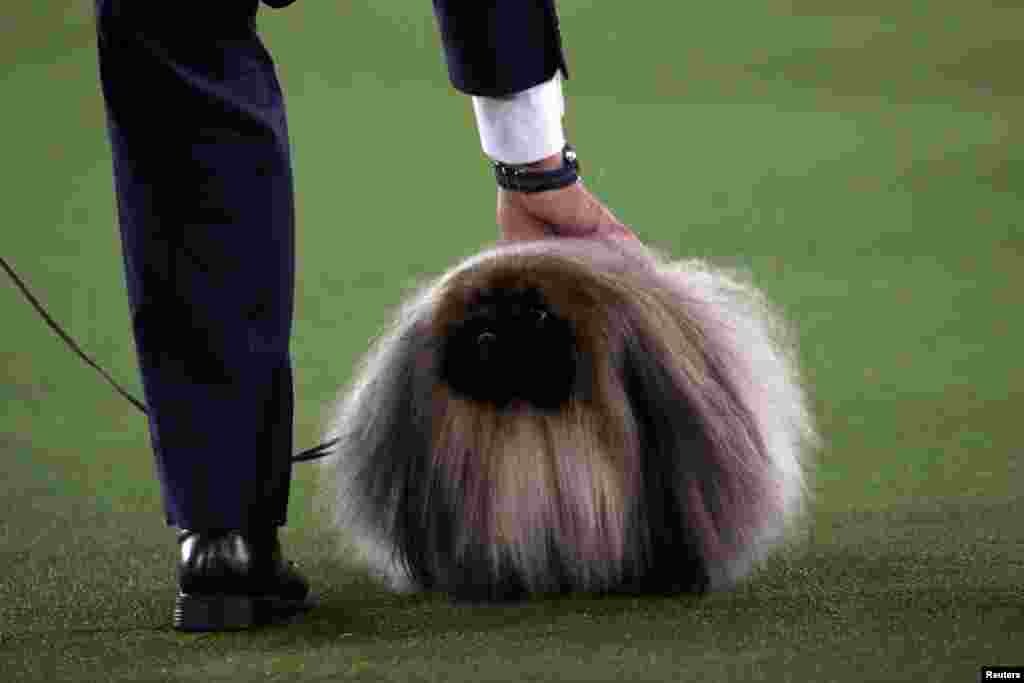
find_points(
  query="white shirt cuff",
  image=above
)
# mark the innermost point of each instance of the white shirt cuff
(524, 127)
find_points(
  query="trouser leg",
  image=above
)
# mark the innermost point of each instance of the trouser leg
(204, 194)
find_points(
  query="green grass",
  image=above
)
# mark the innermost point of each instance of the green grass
(864, 162)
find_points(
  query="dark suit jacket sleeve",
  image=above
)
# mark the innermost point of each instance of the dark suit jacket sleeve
(500, 47)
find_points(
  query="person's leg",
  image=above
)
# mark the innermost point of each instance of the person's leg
(204, 192)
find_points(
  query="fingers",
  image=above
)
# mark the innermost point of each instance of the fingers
(568, 212)
(592, 219)
(577, 213)
(516, 222)
(523, 228)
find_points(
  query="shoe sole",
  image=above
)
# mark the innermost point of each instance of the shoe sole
(199, 613)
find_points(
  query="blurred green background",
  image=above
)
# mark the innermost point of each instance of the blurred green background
(863, 161)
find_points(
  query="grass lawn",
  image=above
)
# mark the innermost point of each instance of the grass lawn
(863, 161)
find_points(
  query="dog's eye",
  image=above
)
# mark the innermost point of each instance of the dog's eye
(540, 316)
(485, 343)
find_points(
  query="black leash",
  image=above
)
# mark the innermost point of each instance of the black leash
(314, 453)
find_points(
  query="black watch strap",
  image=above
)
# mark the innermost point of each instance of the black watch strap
(524, 179)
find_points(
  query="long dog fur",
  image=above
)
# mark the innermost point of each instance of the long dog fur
(642, 428)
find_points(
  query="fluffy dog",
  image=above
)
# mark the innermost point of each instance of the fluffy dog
(572, 415)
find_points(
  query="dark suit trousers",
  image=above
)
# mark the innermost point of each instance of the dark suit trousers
(204, 196)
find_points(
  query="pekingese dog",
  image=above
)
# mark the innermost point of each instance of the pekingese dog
(573, 415)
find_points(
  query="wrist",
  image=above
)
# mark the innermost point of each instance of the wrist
(555, 161)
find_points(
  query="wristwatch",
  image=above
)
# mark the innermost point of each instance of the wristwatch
(522, 178)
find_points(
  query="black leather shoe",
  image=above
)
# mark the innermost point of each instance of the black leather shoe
(230, 581)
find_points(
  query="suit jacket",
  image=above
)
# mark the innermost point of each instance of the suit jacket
(496, 47)
(499, 47)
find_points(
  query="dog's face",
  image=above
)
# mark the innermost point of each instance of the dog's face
(509, 346)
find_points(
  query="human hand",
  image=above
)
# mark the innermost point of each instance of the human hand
(571, 211)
